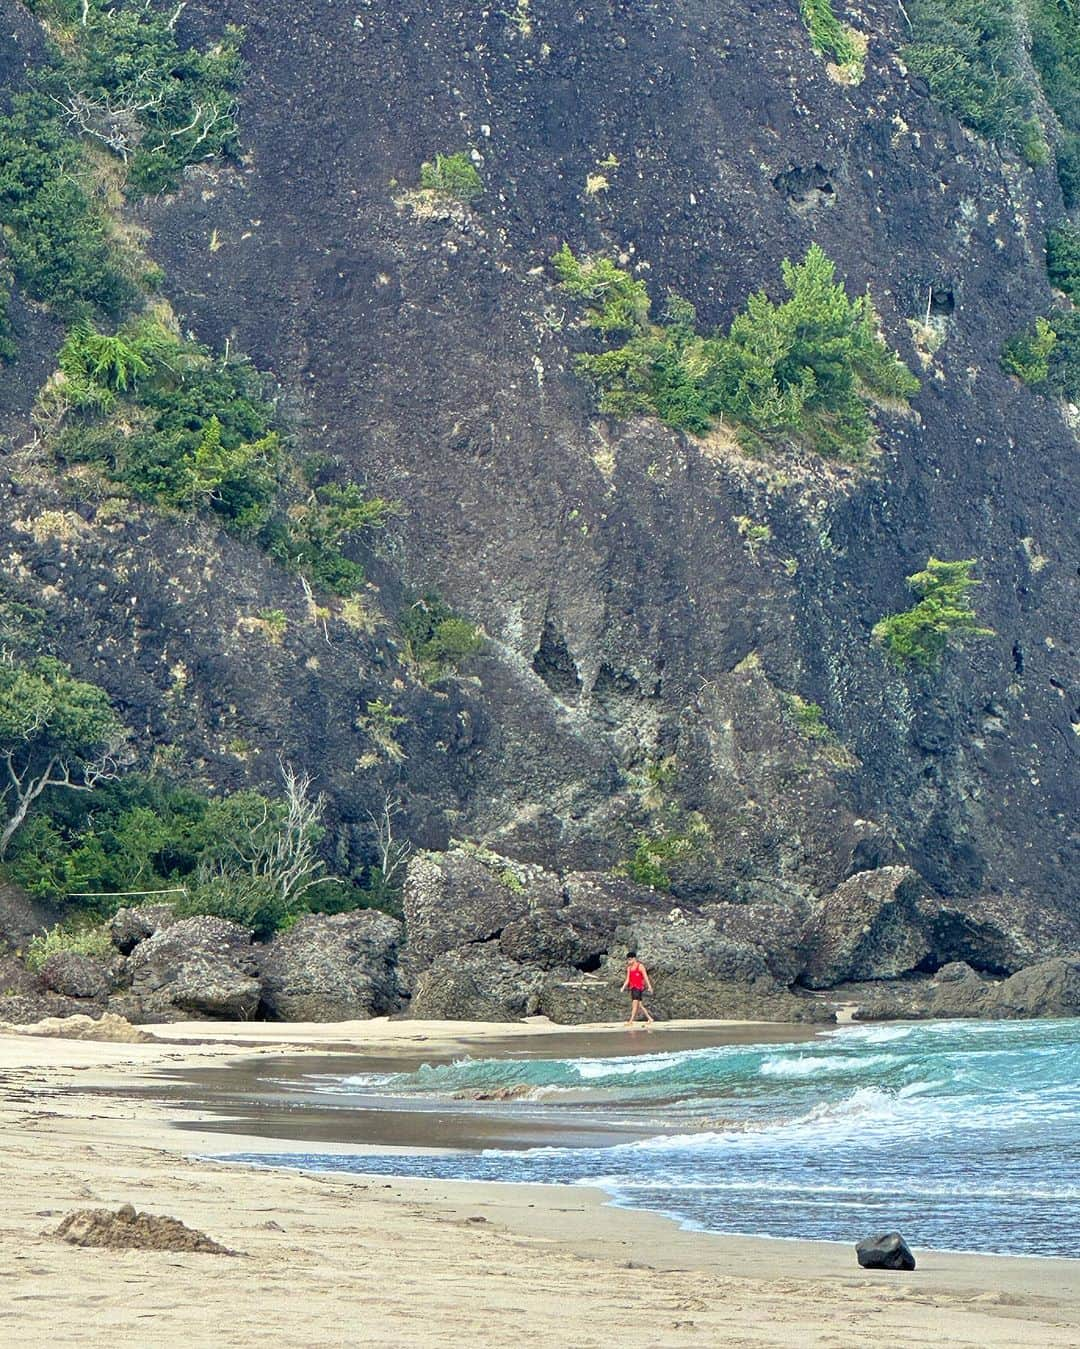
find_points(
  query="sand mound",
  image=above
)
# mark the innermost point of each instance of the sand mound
(116, 1029)
(127, 1230)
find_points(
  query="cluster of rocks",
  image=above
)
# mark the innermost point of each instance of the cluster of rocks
(488, 938)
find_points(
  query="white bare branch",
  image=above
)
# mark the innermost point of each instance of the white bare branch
(393, 853)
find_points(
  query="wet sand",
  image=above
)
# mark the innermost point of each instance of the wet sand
(354, 1260)
(277, 1098)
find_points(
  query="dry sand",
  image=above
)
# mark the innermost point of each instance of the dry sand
(337, 1260)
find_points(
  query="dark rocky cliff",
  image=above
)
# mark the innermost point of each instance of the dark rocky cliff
(630, 623)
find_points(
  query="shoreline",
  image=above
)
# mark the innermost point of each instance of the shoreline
(333, 1259)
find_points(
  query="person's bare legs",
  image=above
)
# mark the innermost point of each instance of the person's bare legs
(648, 1015)
(635, 1007)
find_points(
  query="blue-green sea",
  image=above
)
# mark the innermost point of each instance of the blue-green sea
(962, 1135)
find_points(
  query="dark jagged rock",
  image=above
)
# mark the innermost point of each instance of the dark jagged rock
(452, 899)
(888, 1251)
(201, 967)
(476, 983)
(333, 968)
(1049, 989)
(76, 976)
(871, 927)
(22, 916)
(23, 1009)
(128, 927)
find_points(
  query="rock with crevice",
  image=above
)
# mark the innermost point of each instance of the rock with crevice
(129, 926)
(202, 967)
(873, 926)
(476, 983)
(333, 967)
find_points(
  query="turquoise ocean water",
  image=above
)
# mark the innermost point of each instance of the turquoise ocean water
(963, 1135)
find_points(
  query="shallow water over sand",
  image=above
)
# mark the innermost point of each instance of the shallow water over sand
(964, 1135)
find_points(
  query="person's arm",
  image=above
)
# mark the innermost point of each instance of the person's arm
(625, 983)
(648, 981)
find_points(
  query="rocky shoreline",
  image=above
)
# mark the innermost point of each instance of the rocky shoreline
(488, 938)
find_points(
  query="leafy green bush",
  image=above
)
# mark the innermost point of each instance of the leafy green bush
(920, 635)
(125, 83)
(971, 54)
(1027, 355)
(1048, 357)
(452, 176)
(8, 346)
(311, 538)
(58, 239)
(805, 367)
(83, 941)
(1055, 53)
(438, 640)
(1063, 259)
(827, 33)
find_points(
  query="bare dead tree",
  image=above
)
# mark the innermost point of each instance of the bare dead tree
(282, 854)
(394, 853)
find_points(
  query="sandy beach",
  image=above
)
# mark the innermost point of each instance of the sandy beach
(344, 1260)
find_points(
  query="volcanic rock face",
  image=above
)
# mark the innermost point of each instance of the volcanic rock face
(628, 620)
(871, 927)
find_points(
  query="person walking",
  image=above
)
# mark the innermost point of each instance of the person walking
(637, 981)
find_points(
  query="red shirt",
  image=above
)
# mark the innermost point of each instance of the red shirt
(636, 976)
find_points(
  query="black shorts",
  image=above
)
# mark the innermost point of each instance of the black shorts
(637, 995)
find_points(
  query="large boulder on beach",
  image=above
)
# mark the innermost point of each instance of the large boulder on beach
(873, 926)
(887, 1251)
(333, 967)
(75, 975)
(452, 899)
(128, 927)
(202, 967)
(476, 983)
(1051, 988)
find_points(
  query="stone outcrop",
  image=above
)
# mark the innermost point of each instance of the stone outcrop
(128, 927)
(871, 927)
(76, 976)
(1049, 989)
(202, 967)
(333, 968)
(477, 984)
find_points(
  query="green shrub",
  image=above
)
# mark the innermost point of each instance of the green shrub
(1064, 376)
(452, 176)
(1055, 53)
(1048, 357)
(1063, 259)
(57, 238)
(83, 941)
(920, 635)
(129, 86)
(8, 345)
(437, 639)
(310, 540)
(1027, 355)
(827, 33)
(808, 718)
(805, 367)
(971, 54)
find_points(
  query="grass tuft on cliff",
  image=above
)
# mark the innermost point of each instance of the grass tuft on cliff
(805, 368)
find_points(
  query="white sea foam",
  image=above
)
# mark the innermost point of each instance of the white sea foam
(815, 1066)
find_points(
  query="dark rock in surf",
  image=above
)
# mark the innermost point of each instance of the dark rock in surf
(887, 1251)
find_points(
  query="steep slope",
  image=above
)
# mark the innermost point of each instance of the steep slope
(644, 650)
